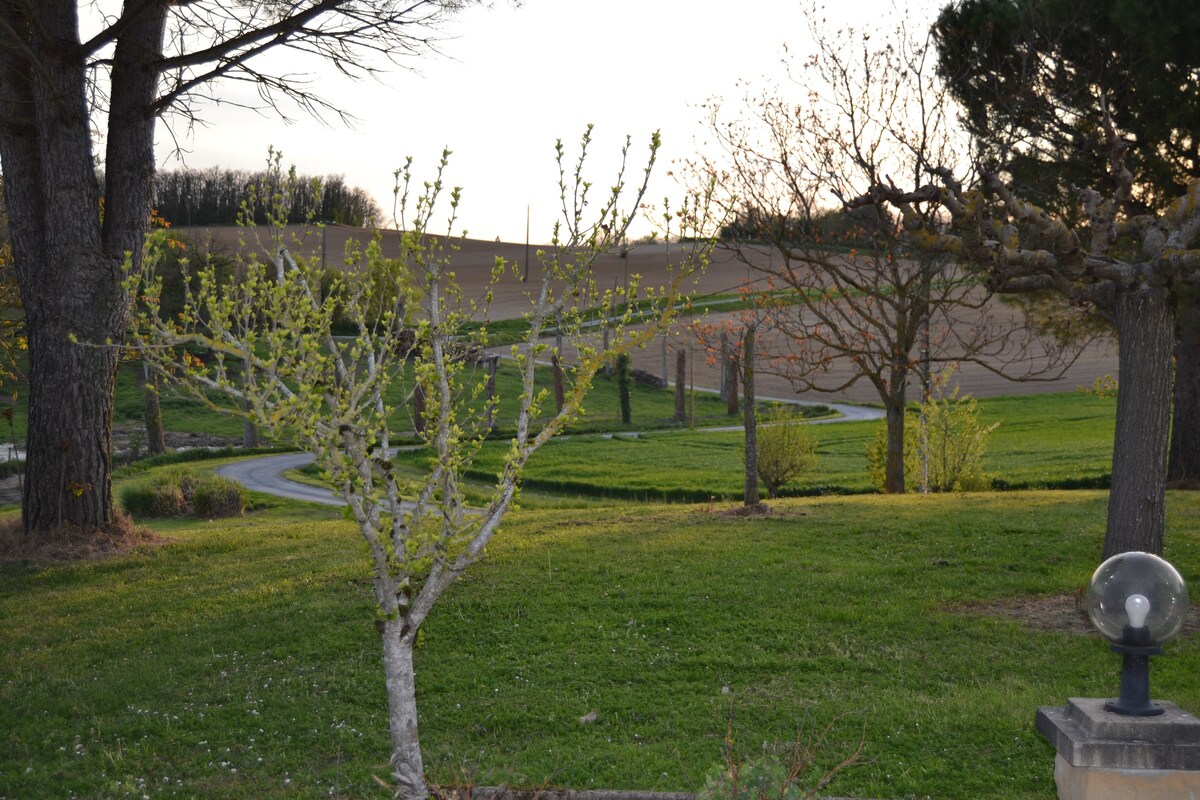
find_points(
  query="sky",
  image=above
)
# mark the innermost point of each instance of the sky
(511, 80)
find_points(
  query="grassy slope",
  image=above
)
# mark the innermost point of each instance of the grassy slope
(240, 660)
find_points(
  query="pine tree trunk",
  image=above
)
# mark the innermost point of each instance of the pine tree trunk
(1145, 337)
(1183, 460)
(68, 262)
(68, 467)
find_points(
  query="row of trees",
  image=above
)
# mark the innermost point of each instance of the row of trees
(1109, 246)
(215, 196)
(827, 318)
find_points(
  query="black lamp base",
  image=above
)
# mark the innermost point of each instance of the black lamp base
(1135, 682)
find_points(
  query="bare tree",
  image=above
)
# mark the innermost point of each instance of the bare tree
(1123, 263)
(846, 298)
(70, 237)
(328, 391)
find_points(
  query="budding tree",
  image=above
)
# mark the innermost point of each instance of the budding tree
(329, 392)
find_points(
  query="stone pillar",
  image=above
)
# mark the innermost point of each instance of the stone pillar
(1107, 756)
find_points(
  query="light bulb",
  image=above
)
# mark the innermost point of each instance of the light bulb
(1138, 608)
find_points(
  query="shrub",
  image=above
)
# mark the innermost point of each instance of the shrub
(181, 492)
(786, 448)
(156, 499)
(945, 433)
(216, 496)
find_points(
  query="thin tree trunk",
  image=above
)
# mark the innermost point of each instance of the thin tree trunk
(1145, 337)
(156, 440)
(732, 368)
(418, 408)
(407, 766)
(681, 386)
(750, 420)
(493, 362)
(560, 385)
(894, 468)
(724, 379)
(1183, 460)
(894, 411)
(624, 389)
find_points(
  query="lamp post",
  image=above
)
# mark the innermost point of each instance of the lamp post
(1128, 747)
(1138, 601)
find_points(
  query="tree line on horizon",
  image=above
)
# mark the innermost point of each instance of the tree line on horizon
(216, 196)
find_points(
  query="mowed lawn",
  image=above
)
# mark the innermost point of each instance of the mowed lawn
(240, 659)
(1059, 440)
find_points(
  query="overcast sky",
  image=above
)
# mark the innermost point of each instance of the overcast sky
(513, 80)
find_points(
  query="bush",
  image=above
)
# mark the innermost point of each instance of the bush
(182, 493)
(157, 499)
(946, 430)
(786, 448)
(218, 497)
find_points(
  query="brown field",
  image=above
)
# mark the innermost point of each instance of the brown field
(725, 275)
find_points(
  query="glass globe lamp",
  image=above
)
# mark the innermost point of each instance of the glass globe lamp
(1138, 601)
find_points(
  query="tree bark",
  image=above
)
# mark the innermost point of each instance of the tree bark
(732, 368)
(69, 262)
(419, 408)
(894, 410)
(407, 766)
(750, 419)
(492, 363)
(156, 440)
(624, 390)
(1145, 336)
(1183, 460)
(681, 386)
(560, 387)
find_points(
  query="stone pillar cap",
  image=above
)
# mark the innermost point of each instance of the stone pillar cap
(1086, 735)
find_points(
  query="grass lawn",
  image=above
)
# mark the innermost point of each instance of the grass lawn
(240, 659)
(1061, 440)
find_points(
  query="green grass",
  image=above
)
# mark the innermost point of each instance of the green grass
(240, 660)
(1059, 440)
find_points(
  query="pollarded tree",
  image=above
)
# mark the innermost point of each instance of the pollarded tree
(329, 391)
(1034, 78)
(69, 238)
(832, 316)
(1123, 263)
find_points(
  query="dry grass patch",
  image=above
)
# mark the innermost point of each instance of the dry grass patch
(71, 543)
